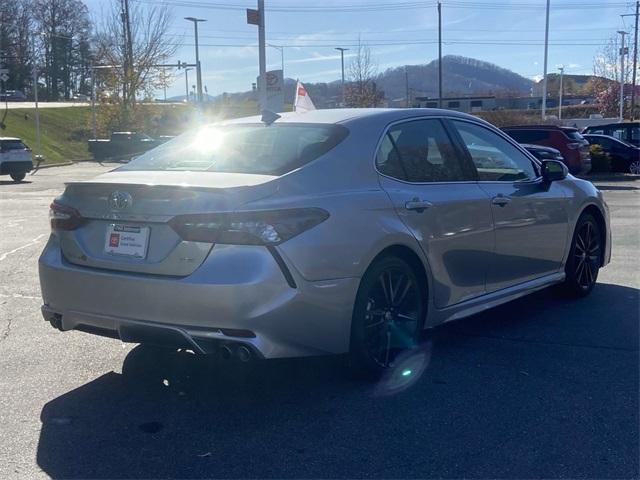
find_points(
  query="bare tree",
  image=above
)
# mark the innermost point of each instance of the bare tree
(606, 82)
(361, 90)
(149, 43)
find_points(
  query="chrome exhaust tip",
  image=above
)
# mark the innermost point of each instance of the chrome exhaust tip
(225, 352)
(244, 354)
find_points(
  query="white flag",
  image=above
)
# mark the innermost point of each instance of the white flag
(303, 101)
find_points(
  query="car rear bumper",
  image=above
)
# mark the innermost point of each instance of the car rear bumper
(238, 296)
(7, 168)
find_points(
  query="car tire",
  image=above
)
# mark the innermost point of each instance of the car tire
(634, 167)
(388, 316)
(585, 257)
(18, 177)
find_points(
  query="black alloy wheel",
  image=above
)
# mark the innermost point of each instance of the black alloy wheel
(388, 315)
(585, 257)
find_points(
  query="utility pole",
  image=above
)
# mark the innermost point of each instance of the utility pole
(635, 59)
(198, 68)
(406, 85)
(622, 79)
(439, 55)
(546, 53)
(186, 84)
(342, 50)
(560, 99)
(262, 58)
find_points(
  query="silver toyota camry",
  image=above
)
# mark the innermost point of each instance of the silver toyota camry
(328, 232)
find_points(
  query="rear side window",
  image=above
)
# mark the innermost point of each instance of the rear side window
(243, 148)
(495, 158)
(573, 135)
(12, 145)
(420, 151)
(527, 136)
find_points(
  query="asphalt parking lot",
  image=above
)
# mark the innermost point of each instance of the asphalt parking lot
(542, 387)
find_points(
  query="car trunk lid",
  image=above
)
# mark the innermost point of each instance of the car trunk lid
(126, 215)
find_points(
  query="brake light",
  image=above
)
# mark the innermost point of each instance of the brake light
(267, 227)
(63, 217)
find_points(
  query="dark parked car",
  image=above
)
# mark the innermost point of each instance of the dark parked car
(572, 146)
(12, 96)
(627, 131)
(123, 145)
(624, 156)
(543, 153)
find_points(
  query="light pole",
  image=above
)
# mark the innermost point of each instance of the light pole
(186, 84)
(560, 99)
(622, 34)
(198, 69)
(35, 96)
(546, 53)
(342, 50)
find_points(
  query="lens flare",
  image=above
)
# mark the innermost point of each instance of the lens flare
(407, 369)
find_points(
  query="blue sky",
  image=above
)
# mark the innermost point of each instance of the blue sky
(509, 33)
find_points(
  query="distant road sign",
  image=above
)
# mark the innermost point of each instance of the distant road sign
(253, 16)
(4, 77)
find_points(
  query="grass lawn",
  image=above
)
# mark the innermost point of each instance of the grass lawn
(63, 131)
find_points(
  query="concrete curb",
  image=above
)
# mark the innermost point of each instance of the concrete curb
(52, 165)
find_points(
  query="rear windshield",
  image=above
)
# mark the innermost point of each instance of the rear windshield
(243, 148)
(12, 145)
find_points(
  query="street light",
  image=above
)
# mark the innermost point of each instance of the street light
(342, 50)
(198, 69)
(560, 99)
(622, 34)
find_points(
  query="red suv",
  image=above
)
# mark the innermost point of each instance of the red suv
(573, 146)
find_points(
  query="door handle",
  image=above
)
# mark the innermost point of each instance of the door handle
(418, 205)
(500, 200)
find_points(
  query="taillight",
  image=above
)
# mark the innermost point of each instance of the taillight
(63, 217)
(266, 227)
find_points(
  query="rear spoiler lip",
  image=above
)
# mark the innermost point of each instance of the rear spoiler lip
(162, 185)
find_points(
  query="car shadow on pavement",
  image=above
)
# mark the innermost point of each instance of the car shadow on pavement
(541, 387)
(11, 182)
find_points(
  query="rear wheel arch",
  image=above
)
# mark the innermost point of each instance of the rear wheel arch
(413, 259)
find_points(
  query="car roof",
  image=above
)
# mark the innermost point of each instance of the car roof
(539, 127)
(617, 124)
(346, 115)
(10, 138)
(539, 147)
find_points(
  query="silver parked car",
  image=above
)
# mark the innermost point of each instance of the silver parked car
(326, 232)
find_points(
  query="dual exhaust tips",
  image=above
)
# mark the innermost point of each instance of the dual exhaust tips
(242, 353)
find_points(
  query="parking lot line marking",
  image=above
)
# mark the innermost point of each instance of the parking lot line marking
(26, 245)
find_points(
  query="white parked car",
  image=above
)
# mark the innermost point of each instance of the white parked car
(15, 158)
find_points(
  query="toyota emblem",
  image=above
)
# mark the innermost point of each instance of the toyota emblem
(120, 200)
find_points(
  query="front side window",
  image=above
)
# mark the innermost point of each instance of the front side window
(495, 159)
(420, 151)
(243, 148)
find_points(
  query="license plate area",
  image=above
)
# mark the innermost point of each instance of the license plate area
(127, 240)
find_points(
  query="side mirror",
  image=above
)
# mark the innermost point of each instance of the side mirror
(553, 170)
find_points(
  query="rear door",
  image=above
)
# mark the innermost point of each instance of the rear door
(530, 217)
(433, 189)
